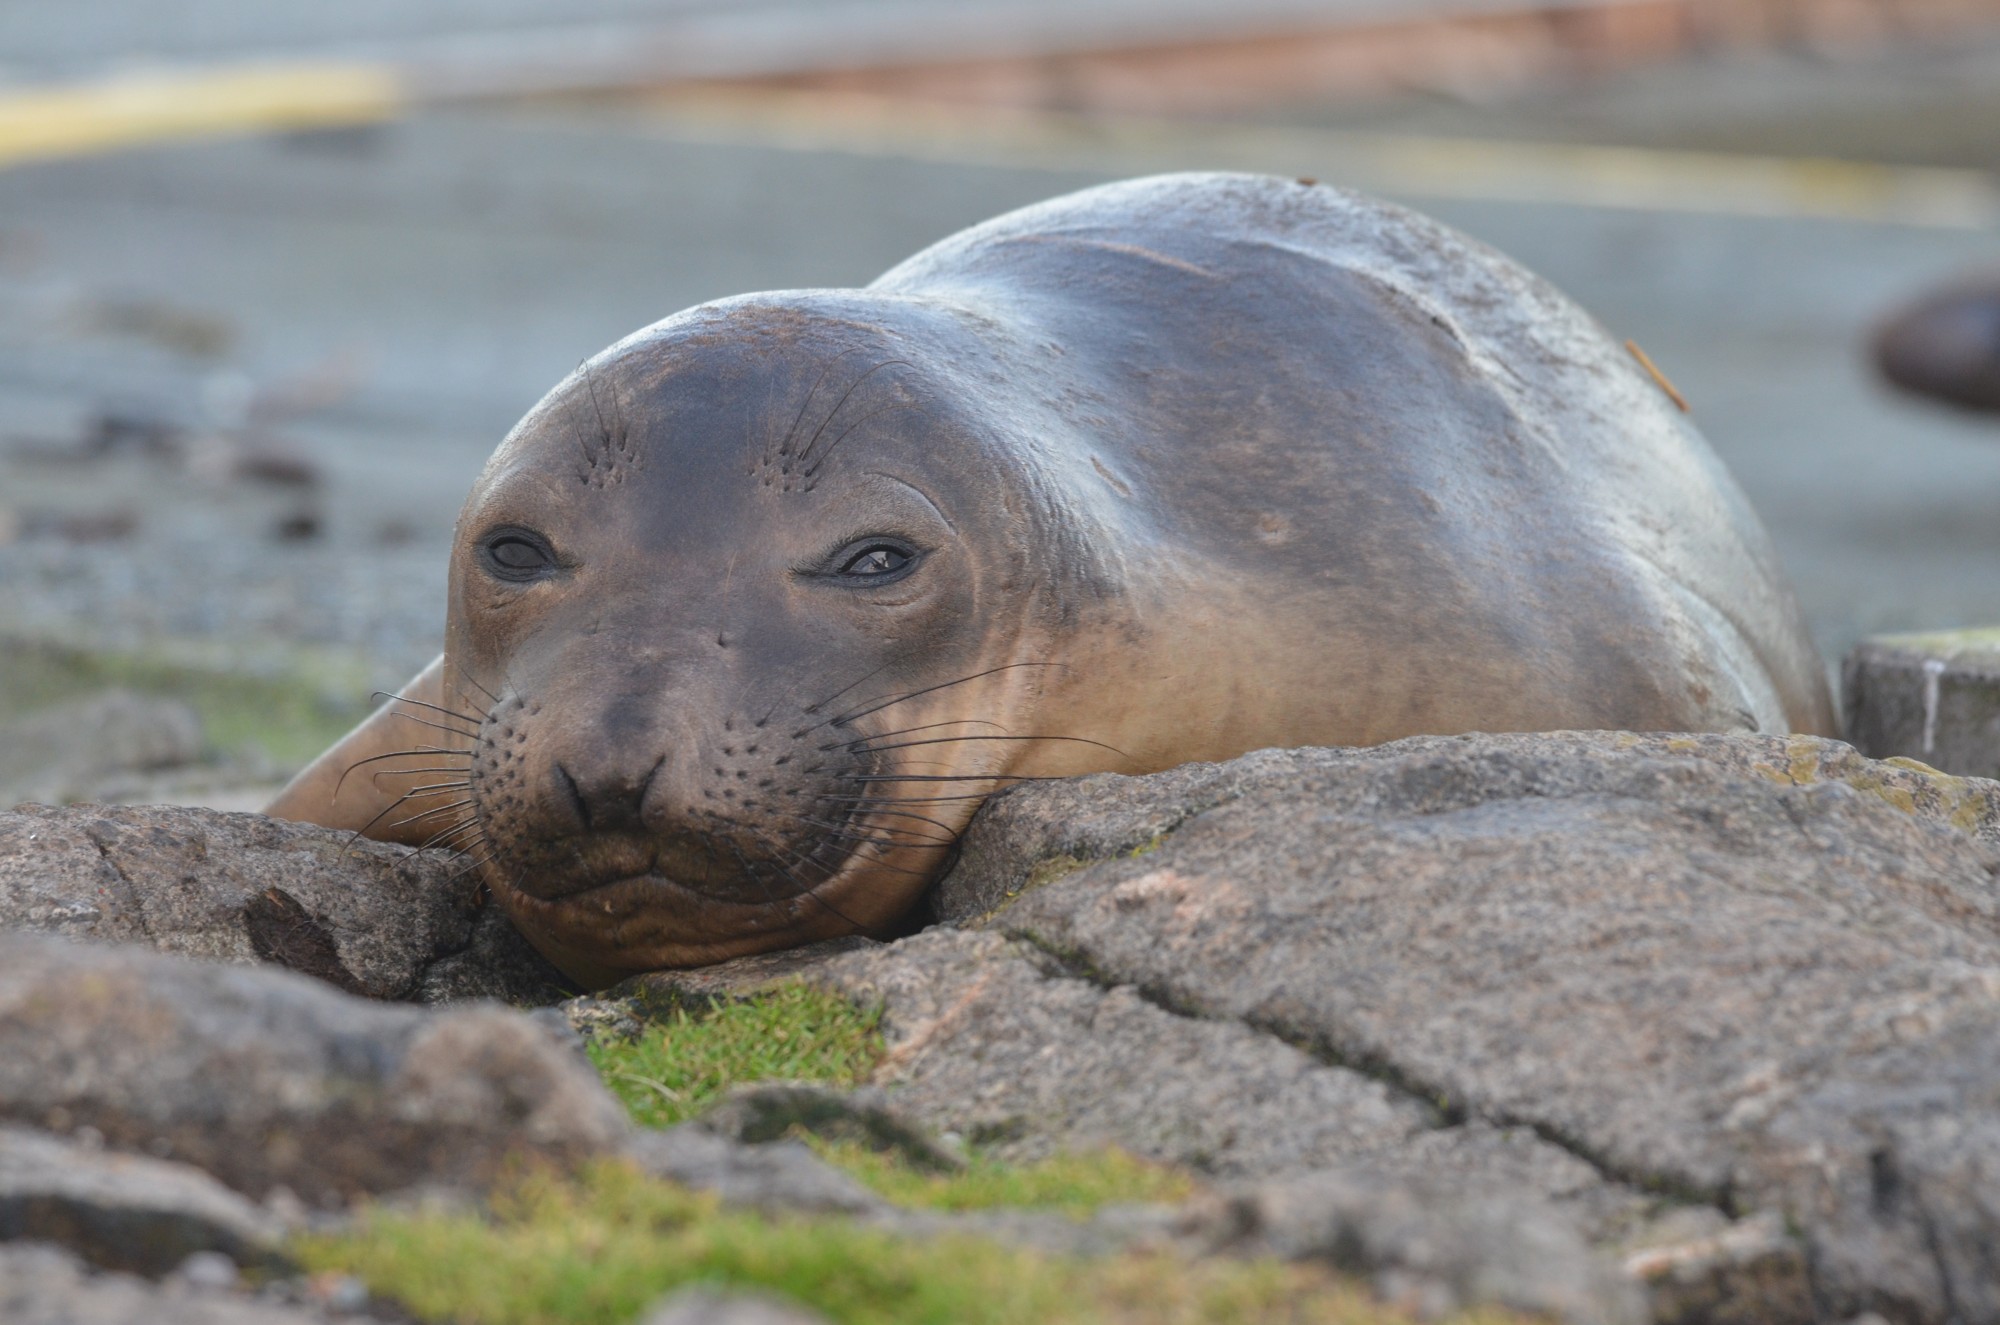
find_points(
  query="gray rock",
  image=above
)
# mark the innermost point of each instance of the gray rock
(660, 992)
(709, 1306)
(125, 1212)
(44, 1285)
(265, 1079)
(496, 963)
(1747, 971)
(364, 916)
(1429, 1251)
(773, 1110)
(65, 752)
(782, 1177)
(1932, 697)
(989, 1041)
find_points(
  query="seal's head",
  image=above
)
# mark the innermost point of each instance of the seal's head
(746, 611)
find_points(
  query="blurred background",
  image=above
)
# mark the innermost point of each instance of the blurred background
(276, 277)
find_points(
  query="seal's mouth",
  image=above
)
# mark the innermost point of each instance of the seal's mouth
(591, 866)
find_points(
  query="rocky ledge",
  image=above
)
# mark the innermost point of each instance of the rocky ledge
(1602, 1026)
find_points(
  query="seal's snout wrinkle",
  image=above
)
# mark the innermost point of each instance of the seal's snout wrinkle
(750, 614)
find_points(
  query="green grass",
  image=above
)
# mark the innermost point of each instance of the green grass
(601, 1247)
(685, 1060)
(1072, 1184)
(290, 720)
(598, 1250)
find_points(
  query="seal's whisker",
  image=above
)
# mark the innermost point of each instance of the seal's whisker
(394, 754)
(820, 704)
(444, 835)
(907, 731)
(412, 772)
(849, 717)
(860, 747)
(425, 704)
(819, 461)
(387, 810)
(436, 726)
(805, 452)
(946, 829)
(431, 814)
(910, 800)
(851, 830)
(467, 674)
(785, 442)
(480, 863)
(946, 777)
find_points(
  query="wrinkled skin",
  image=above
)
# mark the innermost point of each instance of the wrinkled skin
(750, 613)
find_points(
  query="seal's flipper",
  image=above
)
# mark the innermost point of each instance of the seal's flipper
(400, 776)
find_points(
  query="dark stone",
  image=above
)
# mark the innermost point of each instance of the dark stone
(774, 1110)
(1933, 698)
(268, 1080)
(783, 1177)
(125, 1212)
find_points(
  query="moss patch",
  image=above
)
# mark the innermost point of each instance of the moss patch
(598, 1250)
(1074, 1184)
(684, 1061)
(290, 720)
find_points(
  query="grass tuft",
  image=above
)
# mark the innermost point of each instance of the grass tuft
(598, 1250)
(1072, 1184)
(681, 1063)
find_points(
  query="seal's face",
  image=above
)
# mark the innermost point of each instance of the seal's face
(731, 659)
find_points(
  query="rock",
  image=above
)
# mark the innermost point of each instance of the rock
(1934, 698)
(989, 1040)
(43, 1285)
(774, 1110)
(1945, 345)
(1427, 1251)
(782, 1177)
(1753, 972)
(496, 963)
(1748, 1270)
(709, 1306)
(267, 1080)
(125, 1212)
(364, 916)
(64, 752)
(659, 992)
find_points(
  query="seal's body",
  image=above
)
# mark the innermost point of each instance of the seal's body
(749, 614)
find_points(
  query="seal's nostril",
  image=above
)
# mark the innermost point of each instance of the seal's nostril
(575, 795)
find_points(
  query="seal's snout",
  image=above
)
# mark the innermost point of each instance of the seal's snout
(609, 795)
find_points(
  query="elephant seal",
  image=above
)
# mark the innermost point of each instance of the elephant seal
(750, 614)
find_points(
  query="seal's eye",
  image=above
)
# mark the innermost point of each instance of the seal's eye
(874, 561)
(516, 554)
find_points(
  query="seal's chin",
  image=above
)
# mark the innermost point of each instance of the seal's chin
(601, 931)
(588, 868)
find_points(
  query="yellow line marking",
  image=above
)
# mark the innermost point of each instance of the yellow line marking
(41, 124)
(1642, 179)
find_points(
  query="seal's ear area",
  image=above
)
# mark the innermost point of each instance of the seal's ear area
(1946, 346)
(368, 781)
